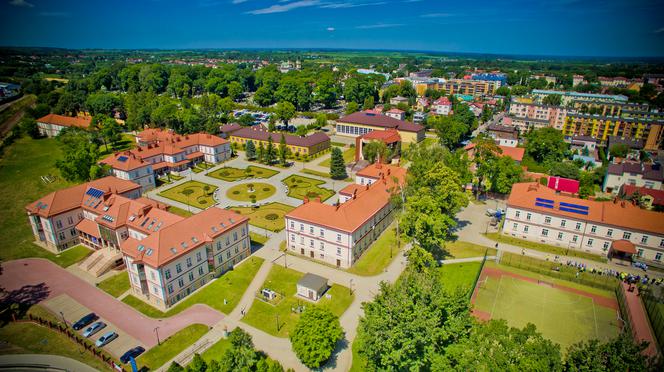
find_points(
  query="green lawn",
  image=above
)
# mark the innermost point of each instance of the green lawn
(127, 142)
(172, 346)
(359, 361)
(269, 216)
(300, 187)
(349, 156)
(216, 351)
(179, 211)
(460, 249)
(197, 194)
(21, 166)
(231, 174)
(115, 285)
(501, 238)
(379, 254)
(257, 239)
(252, 191)
(562, 316)
(72, 255)
(263, 315)
(459, 275)
(230, 287)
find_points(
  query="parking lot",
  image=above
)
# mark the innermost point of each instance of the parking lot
(73, 311)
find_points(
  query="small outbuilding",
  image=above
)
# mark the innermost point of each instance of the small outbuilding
(312, 286)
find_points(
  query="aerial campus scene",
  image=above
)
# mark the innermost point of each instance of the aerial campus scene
(331, 185)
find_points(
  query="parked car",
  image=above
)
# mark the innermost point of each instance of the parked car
(490, 212)
(132, 353)
(105, 339)
(94, 328)
(84, 321)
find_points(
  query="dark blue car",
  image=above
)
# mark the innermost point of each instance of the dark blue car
(84, 321)
(132, 353)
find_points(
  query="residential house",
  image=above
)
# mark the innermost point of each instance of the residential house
(442, 106)
(396, 114)
(389, 137)
(52, 124)
(504, 135)
(650, 176)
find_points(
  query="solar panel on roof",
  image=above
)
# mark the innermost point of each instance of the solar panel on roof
(96, 193)
(544, 200)
(572, 210)
(577, 206)
(544, 205)
(122, 158)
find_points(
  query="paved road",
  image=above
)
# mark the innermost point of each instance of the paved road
(42, 362)
(35, 271)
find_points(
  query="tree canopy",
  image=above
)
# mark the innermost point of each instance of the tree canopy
(315, 336)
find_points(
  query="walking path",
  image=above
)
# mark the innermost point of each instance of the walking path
(42, 362)
(44, 280)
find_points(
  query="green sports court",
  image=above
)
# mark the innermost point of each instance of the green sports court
(564, 315)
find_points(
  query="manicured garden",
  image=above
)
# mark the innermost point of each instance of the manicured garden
(197, 194)
(115, 285)
(268, 216)
(231, 174)
(172, 346)
(379, 254)
(252, 192)
(230, 287)
(279, 319)
(301, 187)
(501, 238)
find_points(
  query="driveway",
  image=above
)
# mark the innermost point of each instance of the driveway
(53, 281)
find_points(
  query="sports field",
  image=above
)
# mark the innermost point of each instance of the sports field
(564, 315)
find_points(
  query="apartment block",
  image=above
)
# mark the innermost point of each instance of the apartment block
(533, 115)
(52, 124)
(602, 127)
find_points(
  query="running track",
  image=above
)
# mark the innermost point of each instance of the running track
(35, 271)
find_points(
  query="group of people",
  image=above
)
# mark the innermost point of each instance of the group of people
(625, 277)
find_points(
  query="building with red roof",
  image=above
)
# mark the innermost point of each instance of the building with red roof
(300, 145)
(396, 114)
(390, 138)
(339, 234)
(52, 124)
(442, 106)
(618, 229)
(649, 198)
(363, 122)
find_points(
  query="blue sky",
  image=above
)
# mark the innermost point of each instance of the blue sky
(538, 27)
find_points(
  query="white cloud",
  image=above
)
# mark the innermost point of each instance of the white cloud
(331, 29)
(286, 7)
(21, 3)
(436, 15)
(350, 5)
(659, 30)
(379, 25)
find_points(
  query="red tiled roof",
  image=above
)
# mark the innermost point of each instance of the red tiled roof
(387, 136)
(291, 140)
(515, 153)
(88, 227)
(66, 121)
(657, 195)
(620, 214)
(623, 246)
(383, 121)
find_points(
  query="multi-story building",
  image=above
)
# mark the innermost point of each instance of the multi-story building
(533, 115)
(161, 151)
(578, 80)
(173, 262)
(389, 137)
(498, 77)
(339, 234)
(475, 88)
(601, 127)
(617, 229)
(360, 123)
(441, 106)
(308, 145)
(58, 219)
(51, 125)
(507, 136)
(568, 96)
(396, 114)
(650, 176)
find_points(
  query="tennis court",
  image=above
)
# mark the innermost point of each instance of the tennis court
(564, 315)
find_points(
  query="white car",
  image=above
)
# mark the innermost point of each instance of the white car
(105, 339)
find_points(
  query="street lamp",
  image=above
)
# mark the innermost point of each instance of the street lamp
(156, 330)
(63, 318)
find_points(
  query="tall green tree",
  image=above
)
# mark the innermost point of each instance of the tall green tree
(269, 151)
(284, 111)
(250, 150)
(315, 336)
(283, 150)
(80, 154)
(352, 107)
(505, 173)
(261, 152)
(375, 150)
(618, 354)
(546, 145)
(337, 165)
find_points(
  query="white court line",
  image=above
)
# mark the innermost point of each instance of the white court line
(497, 292)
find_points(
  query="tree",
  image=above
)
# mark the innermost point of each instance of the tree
(368, 103)
(315, 336)
(450, 130)
(109, 129)
(546, 145)
(269, 151)
(234, 90)
(375, 150)
(321, 121)
(326, 91)
(100, 103)
(586, 184)
(619, 150)
(564, 169)
(618, 354)
(250, 150)
(246, 120)
(80, 155)
(410, 322)
(284, 111)
(503, 91)
(352, 107)
(301, 130)
(337, 165)
(241, 356)
(494, 346)
(553, 100)
(29, 126)
(486, 153)
(264, 96)
(261, 152)
(175, 367)
(506, 173)
(283, 150)
(197, 364)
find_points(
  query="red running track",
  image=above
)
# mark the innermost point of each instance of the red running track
(36, 271)
(638, 319)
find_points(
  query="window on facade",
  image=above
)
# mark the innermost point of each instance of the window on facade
(152, 276)
(311, 243)
(228, 241)
(155, 290)
(228, 254)
(301, 227)
(605, 246)
(311, 230)
(178, 268)
(322, 246)
(170, 288)
(578, 226)
(234, 236)
(292, 237)
(661, 243)
(517, 214)
(322, 232)
(200, 270)
(292, 225)
(528, 216)
(198, 257)
(644, 239)
(219, 245)
(547, 220)
(589, 242)
(338, 237)
(609, 232)
(563, 223)
(70, 220)
(545, 232)
(58, 224)
(338, 251)
(575, 238)
(167, 274)
(191, 276)
(180, 282)
(627, 235)
(639, 253)
(560, 236)
(515, 226)
(593, 229)
(188, 261)
(525, 229)
(658, 257)
(221, 258)
(61, 235)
